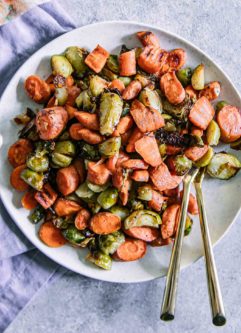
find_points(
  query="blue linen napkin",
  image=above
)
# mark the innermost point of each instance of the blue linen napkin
(21, 273)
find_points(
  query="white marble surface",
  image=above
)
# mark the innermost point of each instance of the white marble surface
(73, 303)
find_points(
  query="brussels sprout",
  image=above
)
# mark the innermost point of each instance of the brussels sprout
(37, 163)
(87, 151)
(61, 66)
(151, 98)
(188, 226)
(112, 63)
(108, 198)
(180, 164)
(61, 222)
(37, 215)
(120, 211)
(93, 205)
(136, 204)
(61, 95)
(85, 101)
(142, 79)
(108, 75)
(76, 57)
(220, 105)
(100, 259)
(184, 76)
(236, 145)
(125, 79)
(64, 137)
(83, 191)
(144, 193)
(163, 149)
(223, 166)
(65, 147)
(108, 244)
(110, 147)
(97, 85)
(32, 178)
(141, 218)
(61, 160)
(110, 111)
(126, 109)
(170, 126)
(205, 160)
(198, 77)
(44, 147)
(73, 235)
(179, 111)
(97, 188)
(213, 133)
(166, 116)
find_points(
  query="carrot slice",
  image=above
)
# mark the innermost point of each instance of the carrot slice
(136, 135)
(162, 178)
(148, 149)
(97, 58)
(175, 60)
(117, 84)
(67, 179)
(146, 234)
(123, 126)
(50, 235)
(105, 223)
(88, 120)
(229, 121)
(121, 158)
(73, 93)
(152, 59)
(28, 201)
(201, 113)
(130, 250)
(192, 93)
(79, 166)
(98, 173)
(140, 176)
(146, 119)
(74, 131)
(37, 89)
(52, 102)
(172, 88)
(169, 221)
(157, 201)
(172, 150)
(81, 219)
(211, 91)
(70, 110)
(196, 131)
(90, 136)
(161, 242)
(132, 90)
(192, 204)
(46, 197)
(18, 152)
(64, 207)
(148, 38)
(127, 63)
(111, 163)
(195, 153)
(134, 164)
(16, 180)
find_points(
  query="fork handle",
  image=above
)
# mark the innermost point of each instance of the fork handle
(169, 298)
(215, 295)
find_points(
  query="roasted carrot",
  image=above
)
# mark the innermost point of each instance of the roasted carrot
(74, 131)
(37, 89)
(118, 178)
(172, 192)
(125, 137)
(229, 121)
(124, 191)
(201, 113)
(117, 84)
(81, 219)
(172, 88)
(90, 136)
(65, 207)
(162, 178)
(196, 131)
(28, 201)
(136, 135)
(157, 201)
(97, 58)
(134, 164)
(80, 168)
(19, 151)
(70, 110)
(174, 61)
(50, 79)
(161, 242)
(169, 221)
(192, 204)
(148, 38)
(127, 63)
(73, 93)
(50, 235)
(140, 176)
(148, 149)
(111, 163)
(211, 90)
(69, 81)
(130, 250)
(98, 173)
(88, 120)
(121, 158)
(67, 179)
(46, 197)
(52, 102)
(192, 93)
(105, 223)
(152, 59)
(132, 90)
(195, 153)
(123, 126)
(172, 150)
(16, 180)
(146, 234)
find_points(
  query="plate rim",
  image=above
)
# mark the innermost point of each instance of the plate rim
(171, 35)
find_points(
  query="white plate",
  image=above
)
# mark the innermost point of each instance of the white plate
(222, 197)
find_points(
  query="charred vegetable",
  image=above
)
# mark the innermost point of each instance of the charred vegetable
(61, 66)
(213, 133)
(110, 147)
(73, 235)
(108, 198)
(32, 178)
(108, 244)
(180, 164)
(223, 166)
(142, 218)
(184, 76)
(198, 77)
(151, 98)
(100, 259)
(76, 56)
(37, 215)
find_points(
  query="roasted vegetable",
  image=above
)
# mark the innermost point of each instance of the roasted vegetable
(236, 145)
(223, 166)
(100, 259)
(63, 153)
(85, 101)
(220, 105)
(136, 204)
(61, 66)
(120, 211)
(125, 79)
(73, 235)
(151, 98)
(62, 222)
(112, 63)
(61, 95)
(110, 147)
(179, 164)
(142, 218)
(97, 85)
(37, 163)
(32, 178)
(108, 244)
(144, 193)
(179, 111)
(97, 188)
(184, 76)
(76, 56)
(205, 160)
(213, 133)
(86, 151)
(198, 77)
(83, 191)
(108, 198)
(37, 215)
(110, 111)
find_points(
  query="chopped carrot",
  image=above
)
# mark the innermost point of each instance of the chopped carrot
(50, 235)
(130, 250)
(136, 135)
(196, 131)
(140, 176)
(132, 90)
(90, 137)
(127, 63)
(162, 178)
(148, 149)
(148, 38)
(88, 120)
(19, 151)
(16, 180)
(125, 137)
(211, 91)
(73, 93)
(172, 88)
(157, 201)
(105, 223)
(121, 158)
(65, 207)
(28, 201)
(192, 204)
(69, 81)
(70, 110)
(111, 163)
(146, 234)
(67, 180)
(52, 102)
(98, 173)
(229, 121)
(79, 166)
(201, 113)
(123, 126)
(117, 84)
(175, 60)
(74, 131)
(124, 192)
(152, 59)
(170, 220)
(172, 150)
(191, 92)
(82, 219)
(97, 58)
(37, 89)
(195, 153)
(46, 197)
(134, 164)
(161, 242)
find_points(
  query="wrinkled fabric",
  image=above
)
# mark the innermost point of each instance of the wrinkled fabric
(21, 273)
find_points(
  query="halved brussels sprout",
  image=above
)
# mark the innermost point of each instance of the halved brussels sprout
(184, 76)
(32, 178)
(61, 65)
(197, 79)
(205, 160)
(100, 259)
(73, 235)
(163, 149)
(188, 225)
(110, 111)
(108, 75)
(93, 205)
(151, 98)
(76, 57)
(179, 111)
(108, 198)
(112, 63)
(97, 85)
(144, 193)
(88, 151)
(110, 147)
(61, 160)
(142, 218)
(37, 163)
(223, 166)
(85, 101)
(97, 188)
(108, 244)
(65, 147)
(61, 94)
(37, 215)
(220, 105)
(125, 79)
(83, 191)
(180, 164)
(120, 211)
(136, 204)
(213, 133)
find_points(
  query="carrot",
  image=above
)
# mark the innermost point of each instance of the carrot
(117, 84)
(124, 192)
(146, 234)
(148, 38)
(52, 88)
(50, 122)
(130, 250)
(192, 93)
(70, 110)
(156, 202)
(169, 221)
(161, 242)
(28, 201)
(162, 178)
(90, 137)
(229, 121)
(121, 158)
(16, 180)
(52, 102)
(19, 151)
(81, 219)
(125, 137)
(69, 81)
(152, 59)
(97, 58)
(136, 135)
(201, 113)
(46, 197)
(147, 119)
(73, 93)
(192, 204)
(134, 164)
(172, 192)
(64, 207)
(37, 89)
(196, 131)
(175, 60)
(88, 120)
(105, 223)
(140, 176)
(195, 153)
(98, 173)
(132, 90)
(49, 79)
(118, 178)
(127, 63)
(172, 150)
(211, 90)
(74, 131)
(111, 163)
(50, 235)
(80, 168)
(172, 88)
(67, 180)
(148, 149)
(123, 126)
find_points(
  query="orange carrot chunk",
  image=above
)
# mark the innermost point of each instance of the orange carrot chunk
(105, 223)
(169, 221)
(195, 153)
(50, 235)
(192, 204)
(162, 178)
(37, 89)
(81, 219)
(46, 197)
(136, 135)
(146, 234)
(28, 201)
(67, 180)
(88, 120)
(16, 180)
(130, 250)
(134, 164)
(148, 38)
(201, 113)
(152, 59)
(97, 58)
(74, 131)
(140, 176)
(157, 201)
(19, 151)
(148, 149)
(98, 173)
(90, 136)
(64, 207)
(127, 63)
(229, 121)
(132, 90)
(117, 84)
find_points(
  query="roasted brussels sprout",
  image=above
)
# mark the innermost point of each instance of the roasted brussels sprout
(97, 85)
(65, 147)
(32, 178)
(223, 166)
(108, 244)
(205, 160)
(97, 188)
(44, 147)
(126, 109)
(108, 198)
(83, 191)
(73, 235)
(108, 74)
(37, 215)
(76, 57)
(87, 151)
(60, 160)
(198, 77)
(179, 111)
(110, 147)
(93, 205)
(61, 66)
(110, 111)
(125, 79)
(220, 105)
(61, 94)
(188, 226)
(61, 222)
(163, 149)
(144, 193)
(37, 163)
(184, 76)
(213, 133)
(180, 164)
(141, 218)
(120, 211)
(112, 63)
(151, 98)
(136, 204)
(85, 101)
(143, 79)
(100, 259)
